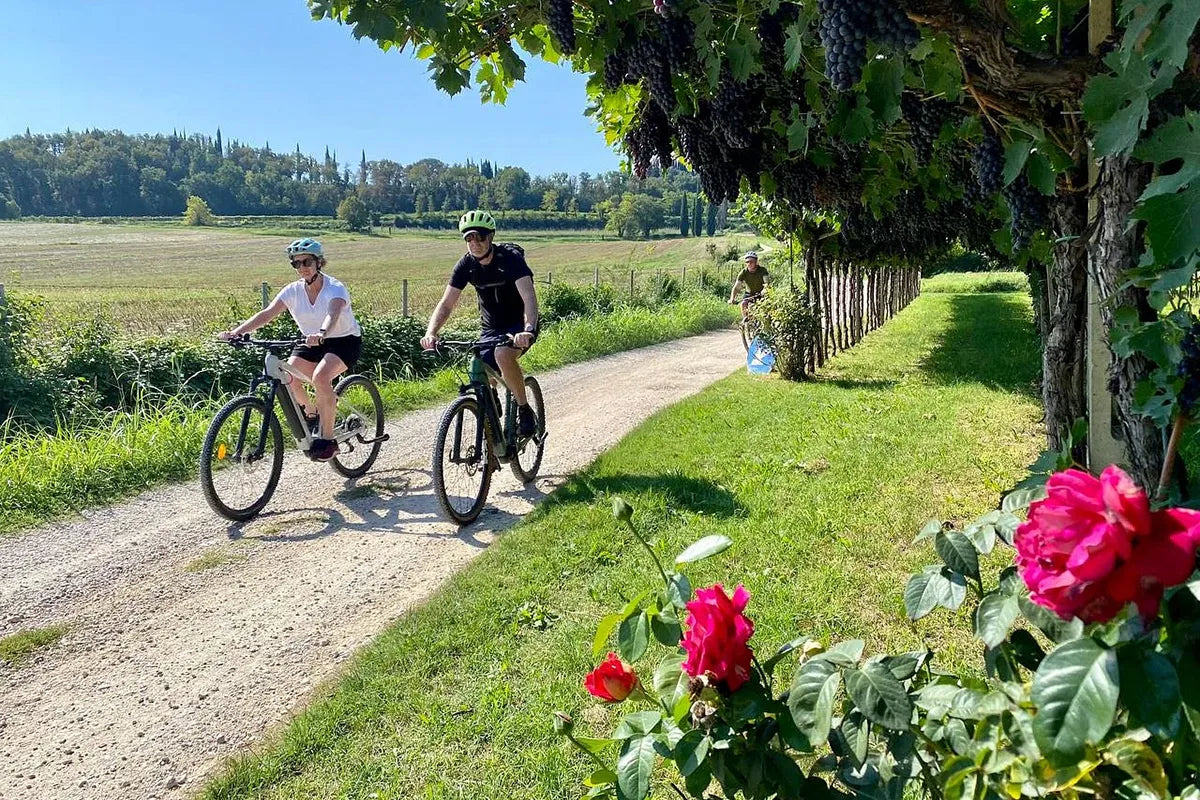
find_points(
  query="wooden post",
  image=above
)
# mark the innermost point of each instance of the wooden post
(404, 296)
(1103, 446)
(596, 278)
(266, 291)
(683, 278)
(1, 292)
(631, 286)
(549, 278)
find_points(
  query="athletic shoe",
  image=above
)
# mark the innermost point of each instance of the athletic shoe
(526, 421)
(322, 449)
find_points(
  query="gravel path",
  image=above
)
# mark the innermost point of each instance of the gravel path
(165, 671)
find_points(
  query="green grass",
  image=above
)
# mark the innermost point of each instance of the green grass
(48, 475)
(216, 557)
(821, 486)
(169, 279)
(18, 647)
(976, 282)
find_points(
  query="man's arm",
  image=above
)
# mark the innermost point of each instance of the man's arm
(733, 291)
(529, 298)
(442, 313)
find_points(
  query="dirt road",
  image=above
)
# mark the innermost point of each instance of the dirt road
(168, 668)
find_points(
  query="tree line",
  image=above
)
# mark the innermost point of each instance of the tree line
(110, 173)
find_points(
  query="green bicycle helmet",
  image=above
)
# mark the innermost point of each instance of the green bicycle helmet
(476, 220)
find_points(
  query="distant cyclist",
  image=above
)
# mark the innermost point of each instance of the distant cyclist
(754, 278)
(320, 305)
(507, 305)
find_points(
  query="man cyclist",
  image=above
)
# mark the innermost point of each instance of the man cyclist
(507, 306)
(754, 278)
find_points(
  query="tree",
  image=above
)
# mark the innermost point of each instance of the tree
(550, 200)
(635, 216)
(711, 229)
(198, 212)
(362, 170)
(355, 213)
(697, 215)
(683, 215)
(9, 208)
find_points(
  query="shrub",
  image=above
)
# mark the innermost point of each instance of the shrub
(354, 212)
(663, 288)
(561, 301)
(198, 212)
(789, 326)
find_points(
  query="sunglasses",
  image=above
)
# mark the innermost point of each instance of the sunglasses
(472, 236)
(304, 262)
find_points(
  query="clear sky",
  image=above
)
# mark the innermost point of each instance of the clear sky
(264, 71)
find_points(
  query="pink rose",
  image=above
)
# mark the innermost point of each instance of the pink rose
(716, 636)
(1093, 545)
(612, 681)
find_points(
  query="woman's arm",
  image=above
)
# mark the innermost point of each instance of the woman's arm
(269, 313)
(336, 306)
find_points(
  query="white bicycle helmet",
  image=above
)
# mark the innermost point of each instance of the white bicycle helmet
(310, 246)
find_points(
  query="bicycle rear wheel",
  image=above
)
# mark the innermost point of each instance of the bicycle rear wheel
(359, 410)
(528, 458)
(240, 460)
(462, 461)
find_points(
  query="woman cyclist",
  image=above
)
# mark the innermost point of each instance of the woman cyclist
(320, 305)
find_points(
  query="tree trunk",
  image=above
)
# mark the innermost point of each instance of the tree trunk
(1062, 300)
(1113, 250)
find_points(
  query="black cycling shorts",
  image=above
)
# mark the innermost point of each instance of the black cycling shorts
(347, 348)
(494, 338)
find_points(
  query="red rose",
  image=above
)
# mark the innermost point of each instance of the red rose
(1093, 545)
(612, 681)
(716, 638)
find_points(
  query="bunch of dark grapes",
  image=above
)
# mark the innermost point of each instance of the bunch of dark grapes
(1027, 207)
(649, 138)
(678, 33)
(615, 68)
(847, 25)
(731, 109)
(560, 19)
(648, 59)
(1189, 369)
(989, 164)
(925, 120)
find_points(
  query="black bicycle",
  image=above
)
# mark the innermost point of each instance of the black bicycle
(242, 455)
(473, 439)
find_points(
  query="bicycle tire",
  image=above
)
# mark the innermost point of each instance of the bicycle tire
(533, 392)
(461, 405)
(366, 383)
(250, 402)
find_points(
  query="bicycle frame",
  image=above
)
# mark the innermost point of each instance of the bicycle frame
(502, 438)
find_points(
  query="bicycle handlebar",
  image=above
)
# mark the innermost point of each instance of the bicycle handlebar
(267, 344)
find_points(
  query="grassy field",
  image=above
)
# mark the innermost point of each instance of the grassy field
(976, 282)
(176, 280)
(822, 487)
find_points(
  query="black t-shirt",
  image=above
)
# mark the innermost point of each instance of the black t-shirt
(500, 304)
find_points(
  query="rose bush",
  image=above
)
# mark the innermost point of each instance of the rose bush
(1067, 710)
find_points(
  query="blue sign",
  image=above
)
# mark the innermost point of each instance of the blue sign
(759, 358)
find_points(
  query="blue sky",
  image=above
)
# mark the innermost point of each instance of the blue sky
(264, 71)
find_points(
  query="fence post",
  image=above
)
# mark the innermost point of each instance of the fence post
(630, 287)
(683, 280)
(266, 290)
(404, 295)
(549, 278)
(1, 292)
(596, 277)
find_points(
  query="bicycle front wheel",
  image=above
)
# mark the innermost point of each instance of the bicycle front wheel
(359, 420)
(528, 458)
(462, 461)
(241, 459)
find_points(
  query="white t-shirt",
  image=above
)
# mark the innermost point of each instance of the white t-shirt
(309, 316)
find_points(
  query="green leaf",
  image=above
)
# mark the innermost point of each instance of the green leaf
(810, 700)
(639, 723)
(1025, 649)
(634, 767)
(1015, 156)
(844, 654)
(621, 509)
(905, 665)
(994, 617)
(593, 746)
(1141, 763)
(936, 586)
(1022, 498)
(666, 628)
(741, 53)
(930, 529)
(633, 638)
(603, 631)
(691, 751)
(601, 777)
(708, 546)
(797, 135)
(1150, 689)
(879, 696)
(1075, 691)
(1041, 174)
(670, 681)
(697, 783)
(679, 591)
(1172, 223)
(793, 47)
(1119, 105)
(884, 83)
(1178, 138)
(856, 731)
(983, 537)
(958, 553)
(937, 697)
(1168, 40)
(783, 651)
